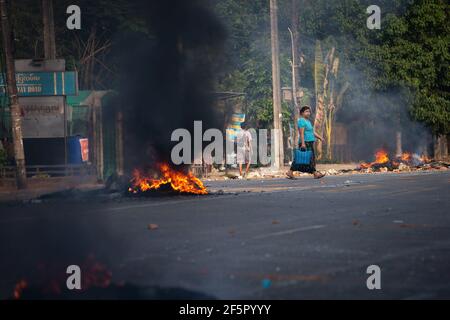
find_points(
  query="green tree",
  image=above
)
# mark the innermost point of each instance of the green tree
(414, 52)
(90, 50)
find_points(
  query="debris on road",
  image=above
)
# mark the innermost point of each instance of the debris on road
(332, 172)
(152, 226)
(348, 183)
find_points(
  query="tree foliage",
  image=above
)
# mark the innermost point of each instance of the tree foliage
(401, 70)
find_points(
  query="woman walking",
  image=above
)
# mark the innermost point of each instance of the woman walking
(307, 136)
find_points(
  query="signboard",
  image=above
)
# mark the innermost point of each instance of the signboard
(84, 143)
(39, 65)
(43, 117)
(43, 84)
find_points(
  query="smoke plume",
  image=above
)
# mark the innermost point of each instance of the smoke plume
(168, 78)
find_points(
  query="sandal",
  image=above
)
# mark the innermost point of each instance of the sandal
(290, 175)
(319, 175)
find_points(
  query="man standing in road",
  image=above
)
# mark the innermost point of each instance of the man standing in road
(244, 149)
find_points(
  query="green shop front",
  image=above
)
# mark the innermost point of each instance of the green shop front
(65, 131)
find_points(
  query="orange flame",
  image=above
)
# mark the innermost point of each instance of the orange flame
(425, 159)
(381, 156)
(95, 275)
(179, 181)
(406, 156)
(20, 286)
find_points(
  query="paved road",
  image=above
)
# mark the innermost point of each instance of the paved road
(277, 239)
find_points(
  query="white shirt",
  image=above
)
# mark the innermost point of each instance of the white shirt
(244, 140)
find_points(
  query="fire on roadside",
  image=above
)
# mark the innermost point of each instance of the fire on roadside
(381, 156)
(425, 159)
(406, 156)
(166, 176)
(19, 287)
(94, 275)
(382, 160)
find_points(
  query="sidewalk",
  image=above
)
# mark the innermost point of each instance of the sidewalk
(268, 172)
(40, 186)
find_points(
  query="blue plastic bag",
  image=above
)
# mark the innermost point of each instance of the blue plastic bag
(302, 156)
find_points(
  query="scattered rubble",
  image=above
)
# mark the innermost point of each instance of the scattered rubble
(332, 172)
(152, 226)
(408, 162)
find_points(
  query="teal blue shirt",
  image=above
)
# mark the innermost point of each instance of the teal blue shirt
(309, 129)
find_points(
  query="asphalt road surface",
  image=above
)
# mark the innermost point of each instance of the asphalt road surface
(258, 239)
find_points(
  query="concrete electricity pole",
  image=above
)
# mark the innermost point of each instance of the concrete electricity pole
(295, 65)
(49, 29)
(277, 124)
(16, 120)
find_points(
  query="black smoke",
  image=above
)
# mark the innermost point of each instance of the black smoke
(168, 77)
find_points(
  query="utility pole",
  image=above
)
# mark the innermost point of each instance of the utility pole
(119, 144)
(277, 116)
(49, 29)
(16, 120)
(295, 65)
(398, 144)
(295, 109)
